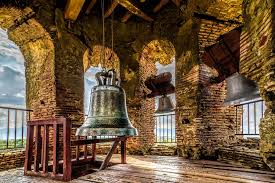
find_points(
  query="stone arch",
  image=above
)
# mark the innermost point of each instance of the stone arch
(162, 51)
(37, 48)
(92, 58)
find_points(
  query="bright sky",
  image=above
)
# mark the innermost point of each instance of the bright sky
(12, 73)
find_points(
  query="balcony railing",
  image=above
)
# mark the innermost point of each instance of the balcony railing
(13, 127)
(165, 128)
(248, 117)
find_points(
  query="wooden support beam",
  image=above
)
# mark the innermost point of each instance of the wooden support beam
(93, 152)
(176, 2)
(45, 146)
(215, 19)
(55, 149)
(37, 152)
(91, 5)
(73, 8)
(29, 149)
(123, 151)
(160, 5)
(126, 17)
(94, 141)
(109, 155)
(111, 9)
(133, 9)
(67, 164)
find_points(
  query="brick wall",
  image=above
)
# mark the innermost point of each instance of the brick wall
(12, 158)
(218, 124)
(147, 109)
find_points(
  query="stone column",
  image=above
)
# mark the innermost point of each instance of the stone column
(69, 72)
(267, 125)
(187, 85)
(258, 63)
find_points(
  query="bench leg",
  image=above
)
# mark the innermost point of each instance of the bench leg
(123, 151)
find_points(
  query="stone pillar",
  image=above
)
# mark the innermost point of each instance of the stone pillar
(69, 72)
(187, 85)
(258, 63)
(267, 125)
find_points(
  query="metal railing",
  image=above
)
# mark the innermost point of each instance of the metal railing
(165, 128)
(13, 128)
(248, 117)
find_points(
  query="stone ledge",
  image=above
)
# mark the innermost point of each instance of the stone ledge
(239, 155)
(12, 158)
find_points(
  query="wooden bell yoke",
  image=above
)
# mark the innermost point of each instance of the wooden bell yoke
(40, 161)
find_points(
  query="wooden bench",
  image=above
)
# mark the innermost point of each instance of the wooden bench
(63, 166)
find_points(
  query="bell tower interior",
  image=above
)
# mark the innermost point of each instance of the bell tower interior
(171, 86)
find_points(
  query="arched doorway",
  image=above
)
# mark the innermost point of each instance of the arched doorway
(165, 123)
(13, 114)
(12, 70)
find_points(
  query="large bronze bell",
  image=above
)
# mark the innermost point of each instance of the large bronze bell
(108, 113)
(165, 105)
(240, 89)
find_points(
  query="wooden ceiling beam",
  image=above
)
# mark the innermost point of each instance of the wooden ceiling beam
(126, 17)
(160, 5)
(72, 9)
(133, 9)
(91, 5)
(111, 9)
(176, 2)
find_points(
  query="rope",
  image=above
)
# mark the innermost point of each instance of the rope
(102, 55)
(112, 32)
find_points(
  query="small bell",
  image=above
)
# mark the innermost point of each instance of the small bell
(165, 105)
(240, 89)
(107, 113)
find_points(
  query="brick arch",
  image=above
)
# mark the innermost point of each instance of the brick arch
(37, 48)
(92, 58)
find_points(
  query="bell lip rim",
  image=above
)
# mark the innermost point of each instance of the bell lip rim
(107, 85)
(130, 132)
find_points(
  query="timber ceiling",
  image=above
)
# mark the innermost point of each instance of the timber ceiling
(220, 17)
(124, 9)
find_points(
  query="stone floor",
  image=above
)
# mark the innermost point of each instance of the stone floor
(151, 169)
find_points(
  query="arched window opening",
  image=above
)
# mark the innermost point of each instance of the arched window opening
(90, 82)
(13, 114)
(165, 124)
(158, 56)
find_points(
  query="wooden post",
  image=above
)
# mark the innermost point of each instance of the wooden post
(85, 150)
(37, 153)
(67, 164)
(123, 151)
(93, 152)
(109, 155)
(77, 149)
(45, 149)
(55, 148)
(29, 148)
